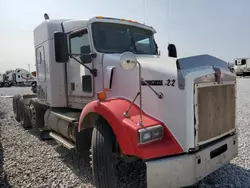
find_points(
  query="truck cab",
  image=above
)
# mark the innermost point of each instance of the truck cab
(103, 89)
(242, 66)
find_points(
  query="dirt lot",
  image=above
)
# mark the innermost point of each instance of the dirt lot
(25, 161)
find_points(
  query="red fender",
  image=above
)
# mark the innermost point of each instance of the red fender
(126, 129)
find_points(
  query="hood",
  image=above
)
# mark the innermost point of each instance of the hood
(164, 75)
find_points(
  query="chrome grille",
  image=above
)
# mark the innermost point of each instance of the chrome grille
(215, 111)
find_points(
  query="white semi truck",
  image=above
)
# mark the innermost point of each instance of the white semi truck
(20, 77)
(103, 88)
(242, 66)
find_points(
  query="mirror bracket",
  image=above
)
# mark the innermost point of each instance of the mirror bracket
(92, 71)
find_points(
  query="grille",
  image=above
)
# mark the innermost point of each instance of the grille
(216, 111)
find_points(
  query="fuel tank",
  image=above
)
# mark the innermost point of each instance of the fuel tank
(63, 122)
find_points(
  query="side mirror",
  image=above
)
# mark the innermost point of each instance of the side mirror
(61, 47)
(128, 61)
(172, 52)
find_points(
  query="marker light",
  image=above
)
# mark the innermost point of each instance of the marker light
(101, 95)
(150, 134)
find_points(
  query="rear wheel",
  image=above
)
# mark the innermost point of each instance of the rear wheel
(37, 112)
(24, 114)
(15, 107)
(102, 157)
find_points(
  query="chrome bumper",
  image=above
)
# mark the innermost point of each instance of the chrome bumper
(186, 170)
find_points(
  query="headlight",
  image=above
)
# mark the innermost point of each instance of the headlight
(150, 134)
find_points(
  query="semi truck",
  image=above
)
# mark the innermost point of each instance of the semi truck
(20, 77)
(242, 66)
(104, 90)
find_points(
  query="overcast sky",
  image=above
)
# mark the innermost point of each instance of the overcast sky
(220, 28)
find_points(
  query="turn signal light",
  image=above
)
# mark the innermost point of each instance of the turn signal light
(101, 95)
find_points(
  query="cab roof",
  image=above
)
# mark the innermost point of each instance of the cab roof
(45, 30)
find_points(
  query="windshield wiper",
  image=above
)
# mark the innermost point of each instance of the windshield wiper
(132, 39)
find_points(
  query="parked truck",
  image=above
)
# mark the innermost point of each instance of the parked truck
(103, 89)
(20, 77)
(242, 66)
(34, 84)
(2, 79)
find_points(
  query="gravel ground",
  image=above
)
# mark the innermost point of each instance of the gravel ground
(29, 162)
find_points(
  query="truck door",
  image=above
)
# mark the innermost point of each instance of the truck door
(80, 80)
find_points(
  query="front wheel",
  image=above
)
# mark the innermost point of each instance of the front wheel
(102, 158)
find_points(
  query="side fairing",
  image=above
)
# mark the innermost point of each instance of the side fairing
(51, 85)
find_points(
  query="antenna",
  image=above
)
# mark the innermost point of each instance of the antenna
(144, 10)
(46, 16)
(168, 24)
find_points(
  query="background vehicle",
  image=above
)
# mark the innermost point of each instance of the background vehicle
(242, 66)
(102, 88)
(20, 77)
(34, 84)
(2, 79)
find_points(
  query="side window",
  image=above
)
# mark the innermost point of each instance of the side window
(40, 58)
(79, 42)
(143, 46)
(243, 61)
(41, 63)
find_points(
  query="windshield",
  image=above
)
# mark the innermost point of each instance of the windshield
(118, 38)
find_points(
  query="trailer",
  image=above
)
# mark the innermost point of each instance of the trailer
(104, 90)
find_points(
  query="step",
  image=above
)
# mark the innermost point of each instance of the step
(69, 145)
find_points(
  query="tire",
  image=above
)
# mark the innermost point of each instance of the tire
(15, 107)
(103, 164)
(24, 114)
(36, 115)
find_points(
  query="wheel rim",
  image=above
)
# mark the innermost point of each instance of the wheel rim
(32, 115)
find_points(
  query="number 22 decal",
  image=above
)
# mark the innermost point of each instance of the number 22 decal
(170, 82)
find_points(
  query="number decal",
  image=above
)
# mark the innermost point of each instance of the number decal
(173, 82)
(170, 82)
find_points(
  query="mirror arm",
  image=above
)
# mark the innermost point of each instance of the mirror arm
(92, 71)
